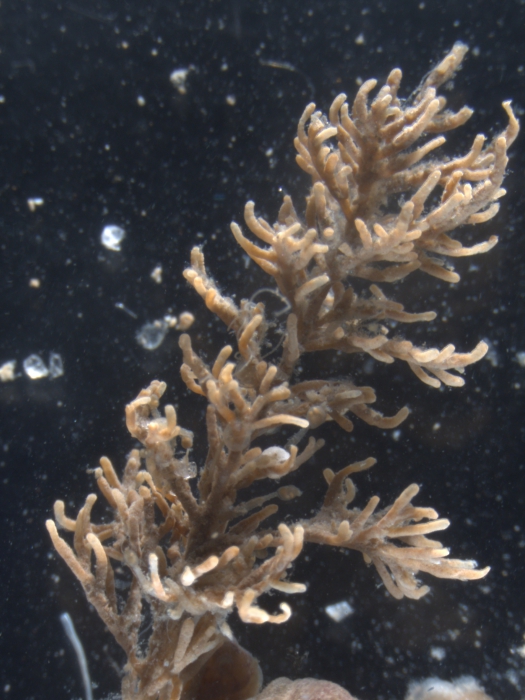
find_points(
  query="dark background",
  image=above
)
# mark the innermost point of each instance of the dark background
(175, 171)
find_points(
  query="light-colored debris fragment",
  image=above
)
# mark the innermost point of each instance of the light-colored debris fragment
(7, 371)
(35, 367)
(186, 320)
(339, 611)
(152, 334)
(178, 79)
(56, 365)
(34, 202)
(156, 275)
(111, 237)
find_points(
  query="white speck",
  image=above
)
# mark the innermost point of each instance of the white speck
(151, 335)
(339, 611)
(186, 320)
(34, 202)
(396, 434)
(34, 367)
(112, 236)
(120, 305)
(141, 101)
(178, 79)
(231, 100)
(156, 275)
(34, 283)
(278, 454)
(56, 366)
(520, 358)
(437, 653)
(171, 320)
(2, 99)
(360, 40)
(7, 371)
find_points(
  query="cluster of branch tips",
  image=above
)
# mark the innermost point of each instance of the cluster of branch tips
(197, 552)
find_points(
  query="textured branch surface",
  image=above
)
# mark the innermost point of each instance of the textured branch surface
(194, 543)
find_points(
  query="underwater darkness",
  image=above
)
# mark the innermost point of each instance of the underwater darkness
(92, 125)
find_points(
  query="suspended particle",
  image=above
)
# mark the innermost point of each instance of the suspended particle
(120, 305)
(278, 454)
(35, 367)
(56, 366)
(152, 334)
(156, 275)
(112, 236)
(34, 202)
(7, 371)
(186, 319)
(178, 79)
(339, 611)
(171, 321)
(187, 470)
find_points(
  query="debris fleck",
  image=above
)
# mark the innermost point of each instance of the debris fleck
(339, 611)
(520, 358)
(437, 653)
(152, 334)
(112, 236)
(35, 368)
(56, 365)
(120, 305)
(7, 371)
(178, 79)
(34, 202)
(186, 320)
(156, 275)
(34, 283)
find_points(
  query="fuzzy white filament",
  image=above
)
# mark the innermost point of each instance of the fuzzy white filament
(69, 629)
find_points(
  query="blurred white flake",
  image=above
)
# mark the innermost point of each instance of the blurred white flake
(34, 202)
(112, 236)
(152, 334)
(339, 611)
(7, 371)
(520, 358)
(56, 366)
(34, 367)
(178, 79)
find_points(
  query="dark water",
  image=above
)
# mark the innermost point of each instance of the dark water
(91, 124)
